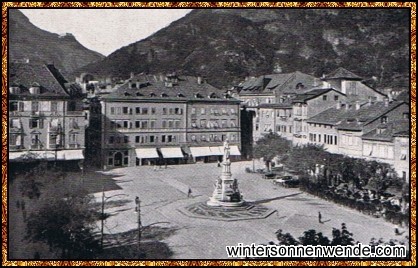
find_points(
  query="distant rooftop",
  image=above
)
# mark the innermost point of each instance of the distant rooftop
(342, 73)
(311, 94)
(386, 132)
(168, 88)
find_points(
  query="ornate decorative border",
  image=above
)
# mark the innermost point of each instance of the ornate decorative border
(7, 5)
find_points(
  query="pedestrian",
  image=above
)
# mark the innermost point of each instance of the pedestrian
(136, 203)
(219, 163)
(319, 217)
(189, 192)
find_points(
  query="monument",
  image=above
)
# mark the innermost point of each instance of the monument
(226, 192)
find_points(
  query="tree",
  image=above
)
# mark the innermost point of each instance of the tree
(270, 146)
(342, 237)
(311, 237)
(66, 224)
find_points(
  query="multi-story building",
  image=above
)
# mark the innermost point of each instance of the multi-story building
(274, 117)
(310, 104)
(46, 118)
(163, 120)
(366, 119)
(350, 84)
(402, 154)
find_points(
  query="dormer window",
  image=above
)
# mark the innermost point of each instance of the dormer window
(180, 95)
(14, 89)
(35, 89)
(126, 94)
(384, 119)
(152, 94)
(164, 95)
(198, 96)
(213, 96)
(138, 94)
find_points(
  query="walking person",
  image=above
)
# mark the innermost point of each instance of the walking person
(319, 217)
(136, 203)
(189, 192)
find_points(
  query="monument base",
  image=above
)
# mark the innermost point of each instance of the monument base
(218, 203)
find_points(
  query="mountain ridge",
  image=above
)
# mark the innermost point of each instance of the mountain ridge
(27, 41)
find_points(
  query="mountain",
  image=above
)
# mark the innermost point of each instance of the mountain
(26, 41)
(225, 45)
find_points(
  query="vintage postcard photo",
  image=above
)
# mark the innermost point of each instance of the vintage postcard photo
(209, 133)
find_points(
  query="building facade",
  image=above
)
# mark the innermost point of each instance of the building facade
(46, 117)
(153, 120)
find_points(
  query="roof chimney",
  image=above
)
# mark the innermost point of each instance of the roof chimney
(132, 75)
(357, 105)
(347, 106)
(390, 97)
(386, 102)
(199, 80)
(370, 102)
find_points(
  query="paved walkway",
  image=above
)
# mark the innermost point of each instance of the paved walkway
(164, 191)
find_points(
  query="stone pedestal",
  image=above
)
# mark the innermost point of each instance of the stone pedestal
(226, 192)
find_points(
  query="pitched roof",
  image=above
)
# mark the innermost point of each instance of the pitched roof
(342, 73)
(386, 132)
(152, 88)
(279, 83)
(26, 75)
(283, 105)
(311, 94)
(351, 118)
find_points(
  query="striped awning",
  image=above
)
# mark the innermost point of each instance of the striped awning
(40, 155)
(174, 152)
(70, 155)
(200, 151)
(146, 153)
(235, 150)
(216, 150)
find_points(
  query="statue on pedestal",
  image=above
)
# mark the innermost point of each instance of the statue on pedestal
(226, 151)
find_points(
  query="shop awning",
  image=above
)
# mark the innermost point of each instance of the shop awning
(172, 152)
(235, 150)
(70, 155)
(200, 151)
(16, 155)
(146, 153)
(216, 150)
(39, 155)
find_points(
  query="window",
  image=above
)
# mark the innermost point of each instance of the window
(335, 140)
(164, 124)
(152, 139)
(169, 138)
(54, 106)
(138, 110)
(202, 123)
(144, 110)
(163, 138)
(164, 110)
(53, 140)
(403, 155)
(170, 124)
(137, 124)
(125, 139)
(35, 142)
(404, 175)
(193, 137)
(202, 111)
(125, 110)
(203, 138)
(384, 119)
(152, 124)
(324, 97)
(336, 97)
(153, 110)
(15, 123)
(137, 139)
(36, 123)
(72, 106)
(15, 139)
(319, 137)
(111, 139)
(35, 106)
(13, 106)
(112, 110)
(177, 124)
(125, 124)
(193, 110)
(144, 124)
(194, 125)
(405, 115)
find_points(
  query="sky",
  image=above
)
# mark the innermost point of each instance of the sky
(104, 30)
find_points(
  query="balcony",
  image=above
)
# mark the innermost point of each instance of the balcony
(36, 113)
(74, 145)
